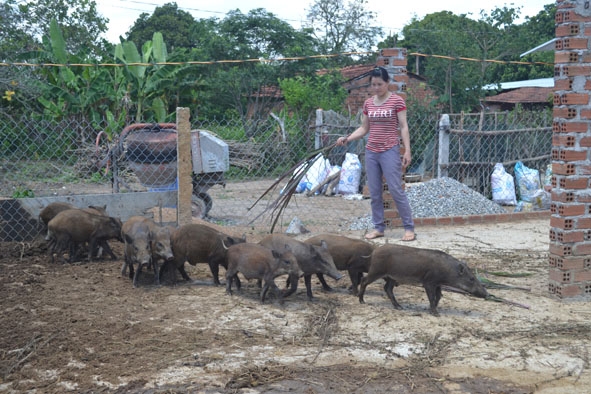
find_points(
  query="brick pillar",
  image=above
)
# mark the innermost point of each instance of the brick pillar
(394, 60)
(570, 223)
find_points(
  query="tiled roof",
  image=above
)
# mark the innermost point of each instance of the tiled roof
(522, 95)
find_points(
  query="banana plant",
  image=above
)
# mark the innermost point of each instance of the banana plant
(147, 78)
(90, 92)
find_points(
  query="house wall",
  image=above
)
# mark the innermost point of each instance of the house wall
(570, 223)
(392, 59)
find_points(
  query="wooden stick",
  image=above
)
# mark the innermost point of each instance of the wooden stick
(321, 184)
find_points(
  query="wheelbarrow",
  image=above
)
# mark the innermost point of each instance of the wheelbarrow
(150, 151)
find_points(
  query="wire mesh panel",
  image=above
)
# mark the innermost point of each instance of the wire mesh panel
(235, 175)
(478, 141)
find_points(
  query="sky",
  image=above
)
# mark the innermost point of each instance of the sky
(392, 15)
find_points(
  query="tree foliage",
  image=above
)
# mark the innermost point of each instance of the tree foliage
(79, 21)
(175, 25)
(494, 36)
(343, 27)
(445, 33)
(534, 31)
(304, 94)
(260, 40)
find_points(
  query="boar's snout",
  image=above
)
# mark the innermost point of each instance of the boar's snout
(480, 292)
(469, 282)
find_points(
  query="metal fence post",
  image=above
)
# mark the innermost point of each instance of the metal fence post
(318, 131)
(443, 160)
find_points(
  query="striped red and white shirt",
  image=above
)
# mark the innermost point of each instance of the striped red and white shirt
(384, 132)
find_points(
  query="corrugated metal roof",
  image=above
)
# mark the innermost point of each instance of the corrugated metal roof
(547, 46)
(530, 83)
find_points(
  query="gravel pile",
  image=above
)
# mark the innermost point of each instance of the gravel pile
(441, 197)
(448, 197)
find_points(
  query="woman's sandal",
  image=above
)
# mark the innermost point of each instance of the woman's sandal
(408, 238)
(374, 234)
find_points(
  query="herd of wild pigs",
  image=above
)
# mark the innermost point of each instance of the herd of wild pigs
(72, 230)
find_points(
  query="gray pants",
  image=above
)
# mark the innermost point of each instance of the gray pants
(389, 165)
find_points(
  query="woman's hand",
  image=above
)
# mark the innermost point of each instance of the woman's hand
(342, 141)
(406, 159)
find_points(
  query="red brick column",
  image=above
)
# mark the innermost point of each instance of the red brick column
(570, 223)
(394, 60)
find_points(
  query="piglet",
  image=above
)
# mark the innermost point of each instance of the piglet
(254, 261)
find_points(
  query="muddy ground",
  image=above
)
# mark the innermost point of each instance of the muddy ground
(83, 328)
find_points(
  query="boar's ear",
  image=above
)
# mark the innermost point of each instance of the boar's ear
(127, 238)
(461, 269)
(275, 253)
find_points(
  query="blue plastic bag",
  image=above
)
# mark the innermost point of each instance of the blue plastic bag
(528, 182)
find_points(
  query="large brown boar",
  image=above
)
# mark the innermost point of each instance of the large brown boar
(312, 259)
(254, 261)
(432, 269)
(52, 209)
(145, 244)
(349, 254)
(76, 226)
(199, 243)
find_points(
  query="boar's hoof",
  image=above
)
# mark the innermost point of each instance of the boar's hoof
(434, 312)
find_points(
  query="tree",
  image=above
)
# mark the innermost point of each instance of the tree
(78, 20)
(341, 27)
(13, 39)
(534, 31)
(304, 94)
(174, 24)
(261, 40)
(443, 33)
(493, 37)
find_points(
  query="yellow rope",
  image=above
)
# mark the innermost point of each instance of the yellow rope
(260, 60)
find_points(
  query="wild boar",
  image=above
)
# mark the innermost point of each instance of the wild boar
(199, 243)
(401, 264)
(145, 244)
(52, 209)
(255, 261)
(349, 254)
(312, 259)
(76, 226)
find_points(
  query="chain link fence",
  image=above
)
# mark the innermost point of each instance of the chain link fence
(235, 162)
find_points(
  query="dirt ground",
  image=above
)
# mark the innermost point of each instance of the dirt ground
(83, 328)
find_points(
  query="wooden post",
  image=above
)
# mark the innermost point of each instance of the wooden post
(184, 166)
(443, 160)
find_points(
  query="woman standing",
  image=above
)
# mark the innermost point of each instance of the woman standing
(384, 118)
